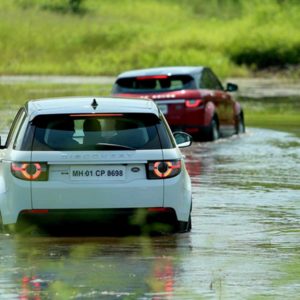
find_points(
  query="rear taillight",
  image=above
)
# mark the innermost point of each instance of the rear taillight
(193, 103)
(163, 169)
(33, 171)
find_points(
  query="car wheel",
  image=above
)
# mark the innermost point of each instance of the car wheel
(240, 124)
(213, 132)
(185, 226)
(189, 226)
(1, 225)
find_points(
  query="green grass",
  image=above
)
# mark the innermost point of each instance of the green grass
(289, 122)
(17, 94)
(14, 96)
(235, 37)
(280, 114)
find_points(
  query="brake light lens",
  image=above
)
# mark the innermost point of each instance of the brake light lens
(163, 169)
(152, 77)
(32, 171)
(193, 103)
(97, 115)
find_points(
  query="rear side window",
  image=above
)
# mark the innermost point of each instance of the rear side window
(209, 81)
(15, 127)
(99, 132)
(159, 83)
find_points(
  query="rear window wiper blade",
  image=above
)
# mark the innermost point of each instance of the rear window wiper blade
(107, 146)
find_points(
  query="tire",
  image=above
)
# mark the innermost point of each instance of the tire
(240, 124)
(213, 132)
(1, 224)
(189, 227)
(185, 226)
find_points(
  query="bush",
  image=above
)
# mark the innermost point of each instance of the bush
(267, 37)
(62, 6)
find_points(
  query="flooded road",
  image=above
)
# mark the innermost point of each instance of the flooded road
(244, 244)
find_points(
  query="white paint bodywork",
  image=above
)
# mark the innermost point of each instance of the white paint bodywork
(61, 192)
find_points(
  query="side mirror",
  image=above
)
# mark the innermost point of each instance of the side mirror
(182, 139)
(231, 87)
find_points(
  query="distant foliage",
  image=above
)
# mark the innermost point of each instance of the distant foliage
(268, 36)
(234, 37)
(273, 56)
(62, 6)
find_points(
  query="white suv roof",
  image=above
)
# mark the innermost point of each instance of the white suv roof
(90, 105)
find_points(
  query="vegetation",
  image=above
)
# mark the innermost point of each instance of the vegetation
(278, 113)
(235, 37)
(13, 96)
(275, 113)
(90, 37)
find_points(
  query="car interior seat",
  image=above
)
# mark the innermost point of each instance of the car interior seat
(61, 135)
(92, 131)
(147, 84)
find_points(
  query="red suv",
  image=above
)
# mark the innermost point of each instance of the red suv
(192, 99)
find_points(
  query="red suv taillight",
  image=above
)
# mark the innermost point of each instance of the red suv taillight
(33, 171)
(193, 103)
(163, 169)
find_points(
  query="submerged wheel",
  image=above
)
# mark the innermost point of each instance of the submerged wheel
(189, 226)
(213, 132)
(185, 226)
(240, 124)
(1, 224)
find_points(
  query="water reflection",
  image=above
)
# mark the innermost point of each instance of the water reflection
(90, 268)
(244, 243)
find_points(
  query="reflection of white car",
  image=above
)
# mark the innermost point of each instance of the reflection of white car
(88, 159)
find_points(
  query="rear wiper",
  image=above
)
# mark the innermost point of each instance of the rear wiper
(106, 146)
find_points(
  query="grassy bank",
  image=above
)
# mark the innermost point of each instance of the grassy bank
(235, 37)
(281, 114)
(278, 113)
(13, 96)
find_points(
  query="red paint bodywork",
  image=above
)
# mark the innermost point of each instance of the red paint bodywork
(192, 119)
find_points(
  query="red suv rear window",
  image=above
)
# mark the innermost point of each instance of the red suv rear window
(154, 83)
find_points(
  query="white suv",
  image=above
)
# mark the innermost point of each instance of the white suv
(110, 161)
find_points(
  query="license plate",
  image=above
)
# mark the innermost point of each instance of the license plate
(163, 108)
(98, 172)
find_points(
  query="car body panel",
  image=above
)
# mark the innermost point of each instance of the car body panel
(72, 193)
(163, 70)
(84, 105)
(178, 189)
(15, 194)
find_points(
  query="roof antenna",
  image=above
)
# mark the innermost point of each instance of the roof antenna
(94, 104)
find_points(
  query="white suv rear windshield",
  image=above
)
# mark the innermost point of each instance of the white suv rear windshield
(99, 132)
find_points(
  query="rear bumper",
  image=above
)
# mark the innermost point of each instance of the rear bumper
(196, 131)
(89, 221)
(189, 128)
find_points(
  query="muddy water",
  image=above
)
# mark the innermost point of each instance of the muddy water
(244, 244)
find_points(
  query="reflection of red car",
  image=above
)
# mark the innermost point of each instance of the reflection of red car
(192, 99)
